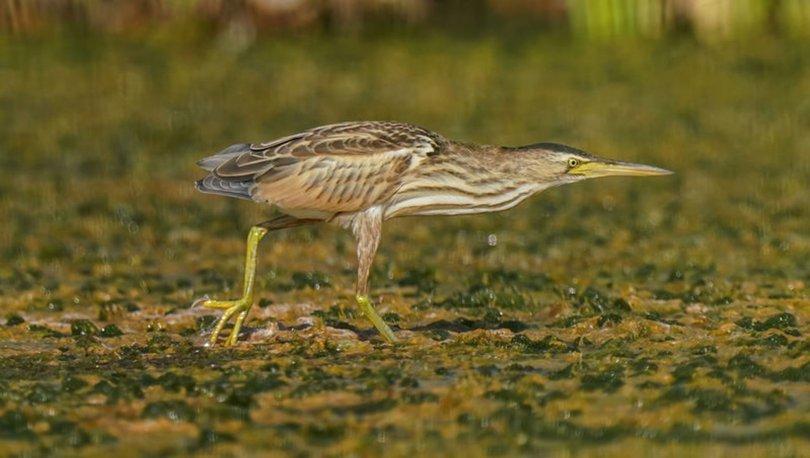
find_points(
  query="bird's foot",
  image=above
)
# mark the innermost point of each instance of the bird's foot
(368, 310)
(239, 307)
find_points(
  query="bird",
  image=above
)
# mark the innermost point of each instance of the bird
(359, 174)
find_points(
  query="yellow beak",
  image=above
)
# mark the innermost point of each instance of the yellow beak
(598, 168)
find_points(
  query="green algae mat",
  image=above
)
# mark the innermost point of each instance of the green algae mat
(653, 317)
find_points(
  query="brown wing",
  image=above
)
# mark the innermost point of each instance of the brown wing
(336, 168)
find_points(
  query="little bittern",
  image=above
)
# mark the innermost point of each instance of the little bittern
(359, 174)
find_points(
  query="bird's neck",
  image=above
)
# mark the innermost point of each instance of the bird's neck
(463, 181)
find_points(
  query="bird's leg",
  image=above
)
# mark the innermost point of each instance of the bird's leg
(240, 307)
(368, 310)
(367, 229)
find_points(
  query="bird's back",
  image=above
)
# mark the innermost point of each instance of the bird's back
(320, 172)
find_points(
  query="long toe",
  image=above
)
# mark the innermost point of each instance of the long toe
(231, 308)
(237, 326)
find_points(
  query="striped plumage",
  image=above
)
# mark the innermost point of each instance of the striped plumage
(359, 174)
(341, 169)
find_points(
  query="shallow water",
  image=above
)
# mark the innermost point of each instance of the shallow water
(643, 316)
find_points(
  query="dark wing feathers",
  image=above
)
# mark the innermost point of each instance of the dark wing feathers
(211, 162)
(329, 156)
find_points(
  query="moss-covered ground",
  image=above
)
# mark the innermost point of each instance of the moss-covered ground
(659, 317)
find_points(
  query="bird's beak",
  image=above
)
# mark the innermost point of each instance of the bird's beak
(599, 168)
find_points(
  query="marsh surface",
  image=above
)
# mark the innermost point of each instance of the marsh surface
(619, 315)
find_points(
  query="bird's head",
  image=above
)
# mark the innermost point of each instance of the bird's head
(560, 164)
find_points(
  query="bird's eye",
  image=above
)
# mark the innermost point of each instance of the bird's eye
(573, 162)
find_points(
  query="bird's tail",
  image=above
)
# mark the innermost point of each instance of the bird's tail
(212, 184)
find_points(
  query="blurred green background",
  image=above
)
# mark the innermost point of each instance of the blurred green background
(522, 342)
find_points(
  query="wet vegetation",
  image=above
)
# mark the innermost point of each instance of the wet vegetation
(624, 315)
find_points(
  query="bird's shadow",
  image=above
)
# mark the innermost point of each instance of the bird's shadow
(459, 325)
(442, 327)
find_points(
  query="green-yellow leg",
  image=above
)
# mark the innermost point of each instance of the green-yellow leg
(239, 307)
(368, 310)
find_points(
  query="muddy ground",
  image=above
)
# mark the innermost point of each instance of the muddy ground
(625, 316)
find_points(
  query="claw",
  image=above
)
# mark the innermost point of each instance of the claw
(200, 301)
